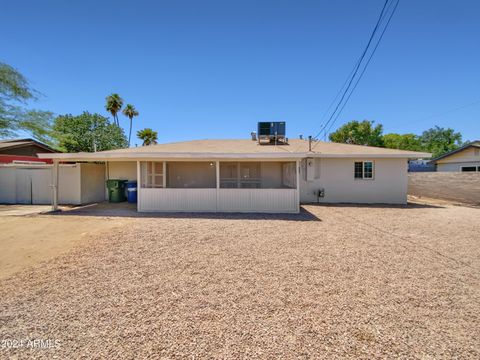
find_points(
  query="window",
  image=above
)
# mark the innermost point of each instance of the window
(363, 170)
(477, 152)
(151, 174)
(469, 168)
(359, 170)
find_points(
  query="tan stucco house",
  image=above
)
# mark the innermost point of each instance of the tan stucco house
(247, 176)
(464, 159)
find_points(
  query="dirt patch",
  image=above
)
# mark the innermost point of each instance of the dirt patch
(441, 202)
(358, 282)
(29, 240)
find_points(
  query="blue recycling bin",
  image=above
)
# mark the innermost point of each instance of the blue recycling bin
(132, 192)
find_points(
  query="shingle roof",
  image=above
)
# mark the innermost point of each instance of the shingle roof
(246, 148)
(14, 143)
(475, 143)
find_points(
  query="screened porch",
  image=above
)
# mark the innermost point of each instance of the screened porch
(239, 186)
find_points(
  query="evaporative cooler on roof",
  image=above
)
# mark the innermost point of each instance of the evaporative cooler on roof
(271, 132)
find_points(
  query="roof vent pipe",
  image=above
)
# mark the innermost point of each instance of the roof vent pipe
(310, 143)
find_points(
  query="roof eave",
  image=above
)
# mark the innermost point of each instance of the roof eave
(211, 156)
(456, 151)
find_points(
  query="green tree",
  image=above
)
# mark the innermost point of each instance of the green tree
(15, 91)
(439, 141)
(359, 133)
(148, 136)
(402, 142)
(130, 112)
(87, 132)
(114, 105)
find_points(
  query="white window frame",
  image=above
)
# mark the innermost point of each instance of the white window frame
(363, 169)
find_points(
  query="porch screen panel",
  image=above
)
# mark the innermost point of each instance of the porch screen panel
(191, 175)
(289, 175)
(257, 175)
(229, 175)
(249, 175)
(151, 174)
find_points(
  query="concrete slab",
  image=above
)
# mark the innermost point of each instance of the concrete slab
(19, 210)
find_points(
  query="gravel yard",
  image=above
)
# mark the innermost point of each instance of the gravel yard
(336, 281)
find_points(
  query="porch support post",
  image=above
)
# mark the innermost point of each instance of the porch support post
(107, 177)
(139, 186)
(55, 186)
(297, 172)
(217, 172)
(164, 171)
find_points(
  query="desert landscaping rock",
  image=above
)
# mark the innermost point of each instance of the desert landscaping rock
(333, 282)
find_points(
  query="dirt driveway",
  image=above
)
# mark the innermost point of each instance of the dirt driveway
(27, 241)
(336, 282)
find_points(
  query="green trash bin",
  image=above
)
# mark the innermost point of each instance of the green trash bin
(116, 190)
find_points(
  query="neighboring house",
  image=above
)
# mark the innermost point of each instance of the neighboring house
(23, 150)
(464, 159)
(420, 165)
(248, 176)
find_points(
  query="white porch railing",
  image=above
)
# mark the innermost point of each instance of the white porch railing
(221, 200)
(257, 200)
(177, 200)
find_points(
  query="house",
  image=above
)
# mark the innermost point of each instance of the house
(23, 150)
(464, 159)
(252, 176)
(421, 165)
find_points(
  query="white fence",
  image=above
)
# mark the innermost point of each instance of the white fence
(31, 184)
(224, 200)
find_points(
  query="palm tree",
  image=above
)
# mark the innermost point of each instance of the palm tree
(130, 112)
(148, 136)
(114, 105)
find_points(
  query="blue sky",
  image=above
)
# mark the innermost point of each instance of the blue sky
(213, 69)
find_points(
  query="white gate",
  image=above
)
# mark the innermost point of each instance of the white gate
(23, 191)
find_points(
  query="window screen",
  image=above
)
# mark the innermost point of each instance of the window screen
(258, 175)
(192, 175)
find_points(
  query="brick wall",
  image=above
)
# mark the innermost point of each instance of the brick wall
(456, 186)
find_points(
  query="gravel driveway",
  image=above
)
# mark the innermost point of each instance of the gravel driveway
(339, 281)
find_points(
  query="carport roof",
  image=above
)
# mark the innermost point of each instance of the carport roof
(240, 148)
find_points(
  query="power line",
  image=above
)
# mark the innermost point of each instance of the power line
(356, 67)
(366, 65)
(382, 16)
(349, 89)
